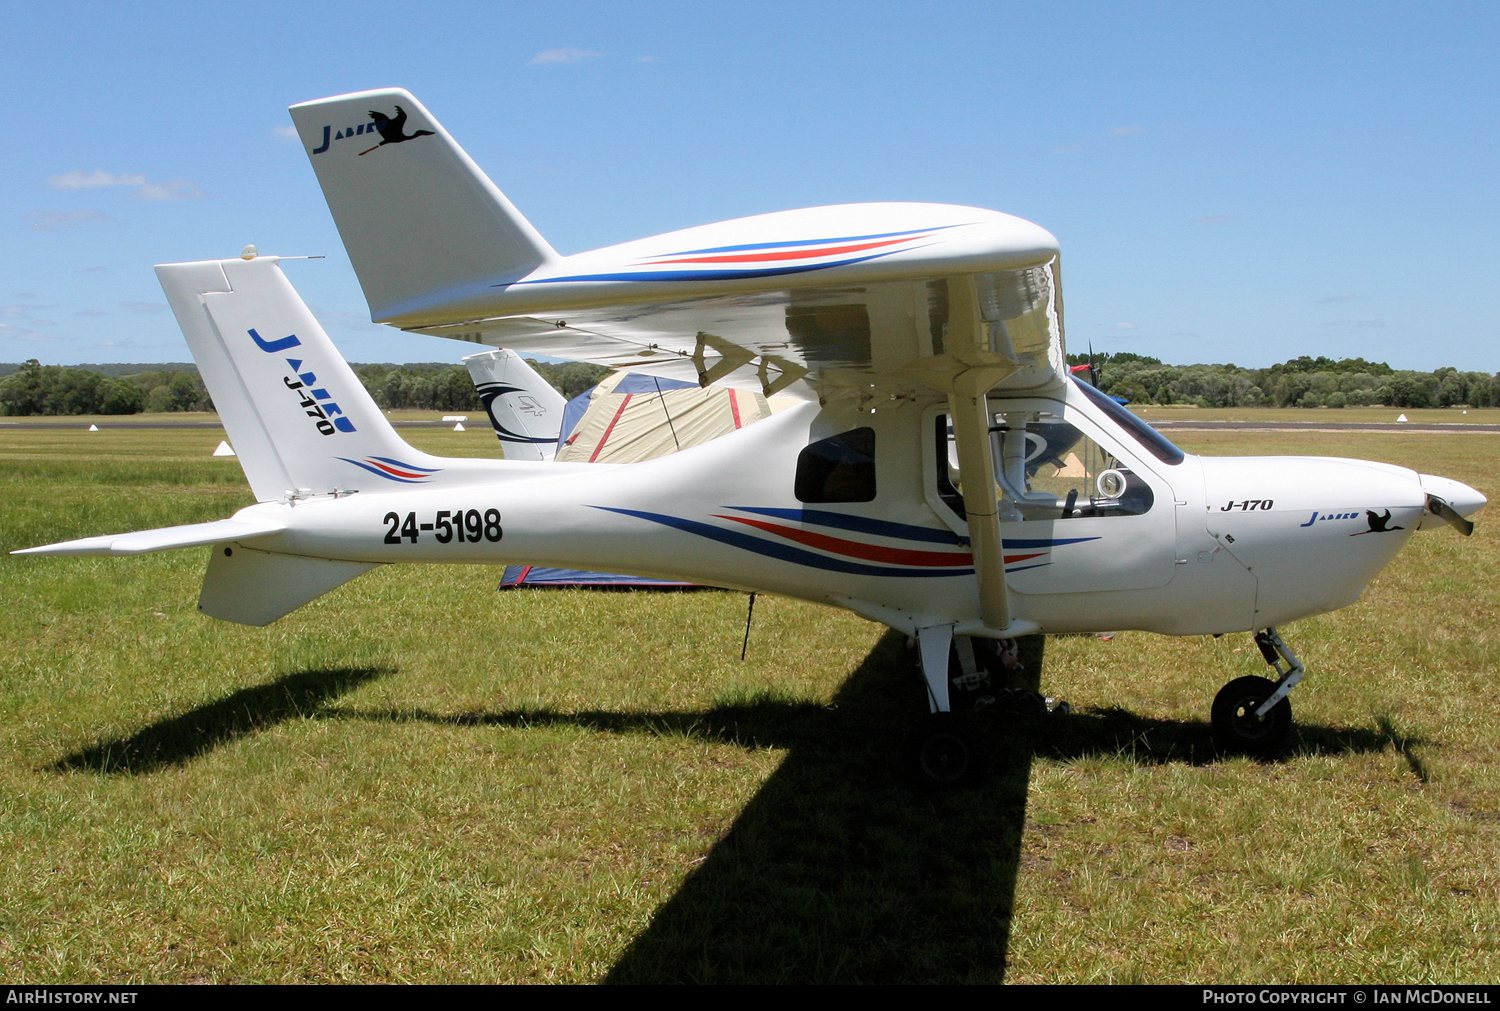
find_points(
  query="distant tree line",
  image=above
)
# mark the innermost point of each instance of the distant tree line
(35, 388)
(439, 387)
(32, 388)
(1301, 382)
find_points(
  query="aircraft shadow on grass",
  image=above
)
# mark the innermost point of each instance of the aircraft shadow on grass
(836, 870)
(180, 739)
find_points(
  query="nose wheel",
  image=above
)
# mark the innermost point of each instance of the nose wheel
(1237, 725)
(1252, 715)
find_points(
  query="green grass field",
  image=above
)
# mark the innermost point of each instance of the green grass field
(1324, 415)
(416, 778)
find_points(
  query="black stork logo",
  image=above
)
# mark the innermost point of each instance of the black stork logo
(1377, 524)
(392, 130)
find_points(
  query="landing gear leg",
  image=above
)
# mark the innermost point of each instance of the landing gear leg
(942, 751)
(1253, 715)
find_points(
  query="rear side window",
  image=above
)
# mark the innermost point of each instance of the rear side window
(838, 469)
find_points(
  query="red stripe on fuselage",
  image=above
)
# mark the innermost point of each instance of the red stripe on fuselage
(393, 470)
(857, 549)
(790, 254)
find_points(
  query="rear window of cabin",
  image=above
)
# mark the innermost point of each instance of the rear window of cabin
(838, 469)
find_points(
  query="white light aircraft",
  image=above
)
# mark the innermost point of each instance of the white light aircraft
(896, 323)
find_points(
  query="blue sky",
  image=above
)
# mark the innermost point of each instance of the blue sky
(1229, 182)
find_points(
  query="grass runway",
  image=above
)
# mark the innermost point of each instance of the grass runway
(418, 779)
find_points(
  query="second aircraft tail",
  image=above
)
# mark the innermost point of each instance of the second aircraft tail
(524, 409)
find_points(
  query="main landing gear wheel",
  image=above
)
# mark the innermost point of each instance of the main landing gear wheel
(943, 752)
(1238, 729)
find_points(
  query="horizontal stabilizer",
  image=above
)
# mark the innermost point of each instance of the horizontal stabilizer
(190, 535)
(256, 587)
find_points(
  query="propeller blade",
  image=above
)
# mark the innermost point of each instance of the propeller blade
(1449, 515)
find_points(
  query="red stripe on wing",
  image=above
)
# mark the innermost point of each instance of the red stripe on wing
(790, 254)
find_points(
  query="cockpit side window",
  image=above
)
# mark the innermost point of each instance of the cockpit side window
(1046, 469)
(1067, 475)
(838, 469)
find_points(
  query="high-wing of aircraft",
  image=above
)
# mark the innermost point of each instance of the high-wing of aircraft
(897, 323)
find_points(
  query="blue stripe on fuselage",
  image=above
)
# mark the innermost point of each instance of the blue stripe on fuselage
(783, 552)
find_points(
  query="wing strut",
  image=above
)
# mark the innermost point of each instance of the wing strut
(971, 432)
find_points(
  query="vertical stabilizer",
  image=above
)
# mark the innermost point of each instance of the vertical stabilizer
(422, 223)
(298, 416)
(524, 409)
(253, 587)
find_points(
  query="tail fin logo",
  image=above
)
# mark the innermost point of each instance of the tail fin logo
(392, 130)
(316, 402)
(273, 347)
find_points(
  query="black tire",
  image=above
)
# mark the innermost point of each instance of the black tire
(943, 752)
(1238, 729)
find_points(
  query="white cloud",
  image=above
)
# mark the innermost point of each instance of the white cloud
(1212, 219)
(25, 334)
(284, 132)
(177, 189)
(26, 314)
(648, 59)
(569, 54)
(1123, 131)
(77, 180)
(1125, 325)
(51, 221)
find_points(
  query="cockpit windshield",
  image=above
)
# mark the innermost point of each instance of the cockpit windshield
(1155, 443)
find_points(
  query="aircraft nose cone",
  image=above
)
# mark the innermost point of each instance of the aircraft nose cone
(1460, 497)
